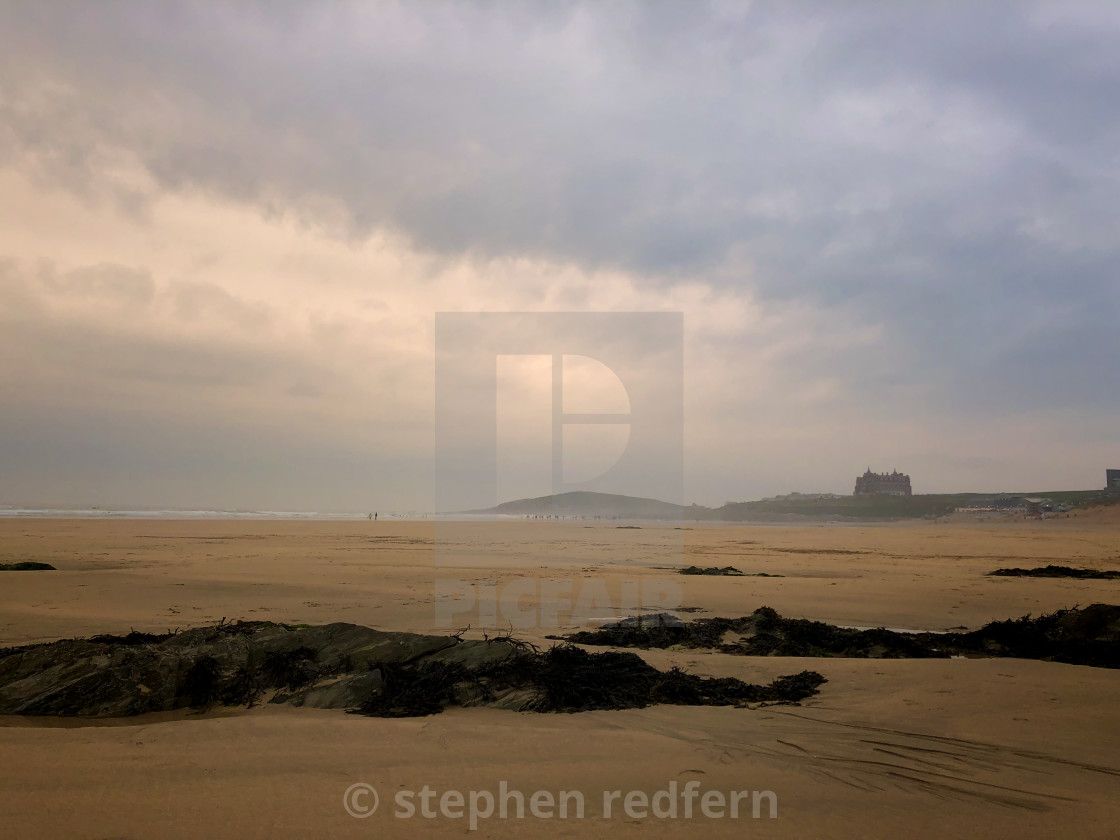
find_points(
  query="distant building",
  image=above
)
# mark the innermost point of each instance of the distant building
(999, 503)
(1112, 480)
(1036, 506)
(892, 484)
(1029, 505)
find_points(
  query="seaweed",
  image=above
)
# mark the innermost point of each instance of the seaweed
(242, 689)
(201, 683)
(329, 667)
(415, 690)
(565, 678)
(726, 571)
(1057, 572)
(657, 631)
(132, 637)
(1088, 636)
(290, 669)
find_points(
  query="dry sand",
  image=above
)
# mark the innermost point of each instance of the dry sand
(993, 748)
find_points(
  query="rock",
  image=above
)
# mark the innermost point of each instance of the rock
(115, 676)
(474, 654)
(347, 692)
(1088, 636)
(652, 620)
(726, 571)
(343, 666)
(1057, 572)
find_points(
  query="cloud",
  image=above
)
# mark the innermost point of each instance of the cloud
(906, 207)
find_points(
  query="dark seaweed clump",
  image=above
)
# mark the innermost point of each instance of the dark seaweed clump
(416, 690)
(1088, 636)
(1057, 572)
(724, 571)
(345, 666)
(568, 679)
(763, 633)
(1079, 636)
(290, 669)
(133, 637)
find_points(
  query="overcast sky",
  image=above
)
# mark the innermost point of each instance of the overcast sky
(893, 230)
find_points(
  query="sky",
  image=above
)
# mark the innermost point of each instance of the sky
(893, 230)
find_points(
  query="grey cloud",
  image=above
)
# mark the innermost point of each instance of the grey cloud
(125, 342)
(639, 135)
(112, 409)
(945, 171)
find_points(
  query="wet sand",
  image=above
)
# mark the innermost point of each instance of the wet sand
(927, 748)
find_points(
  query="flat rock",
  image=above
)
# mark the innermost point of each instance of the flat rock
(117, 676)
(345, 666)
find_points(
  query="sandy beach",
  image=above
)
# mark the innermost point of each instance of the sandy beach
(361, 358)
(998, 747)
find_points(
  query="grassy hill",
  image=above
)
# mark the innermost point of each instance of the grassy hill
(853, 507)
(927, 505)
(583, 503)
(930, 505)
